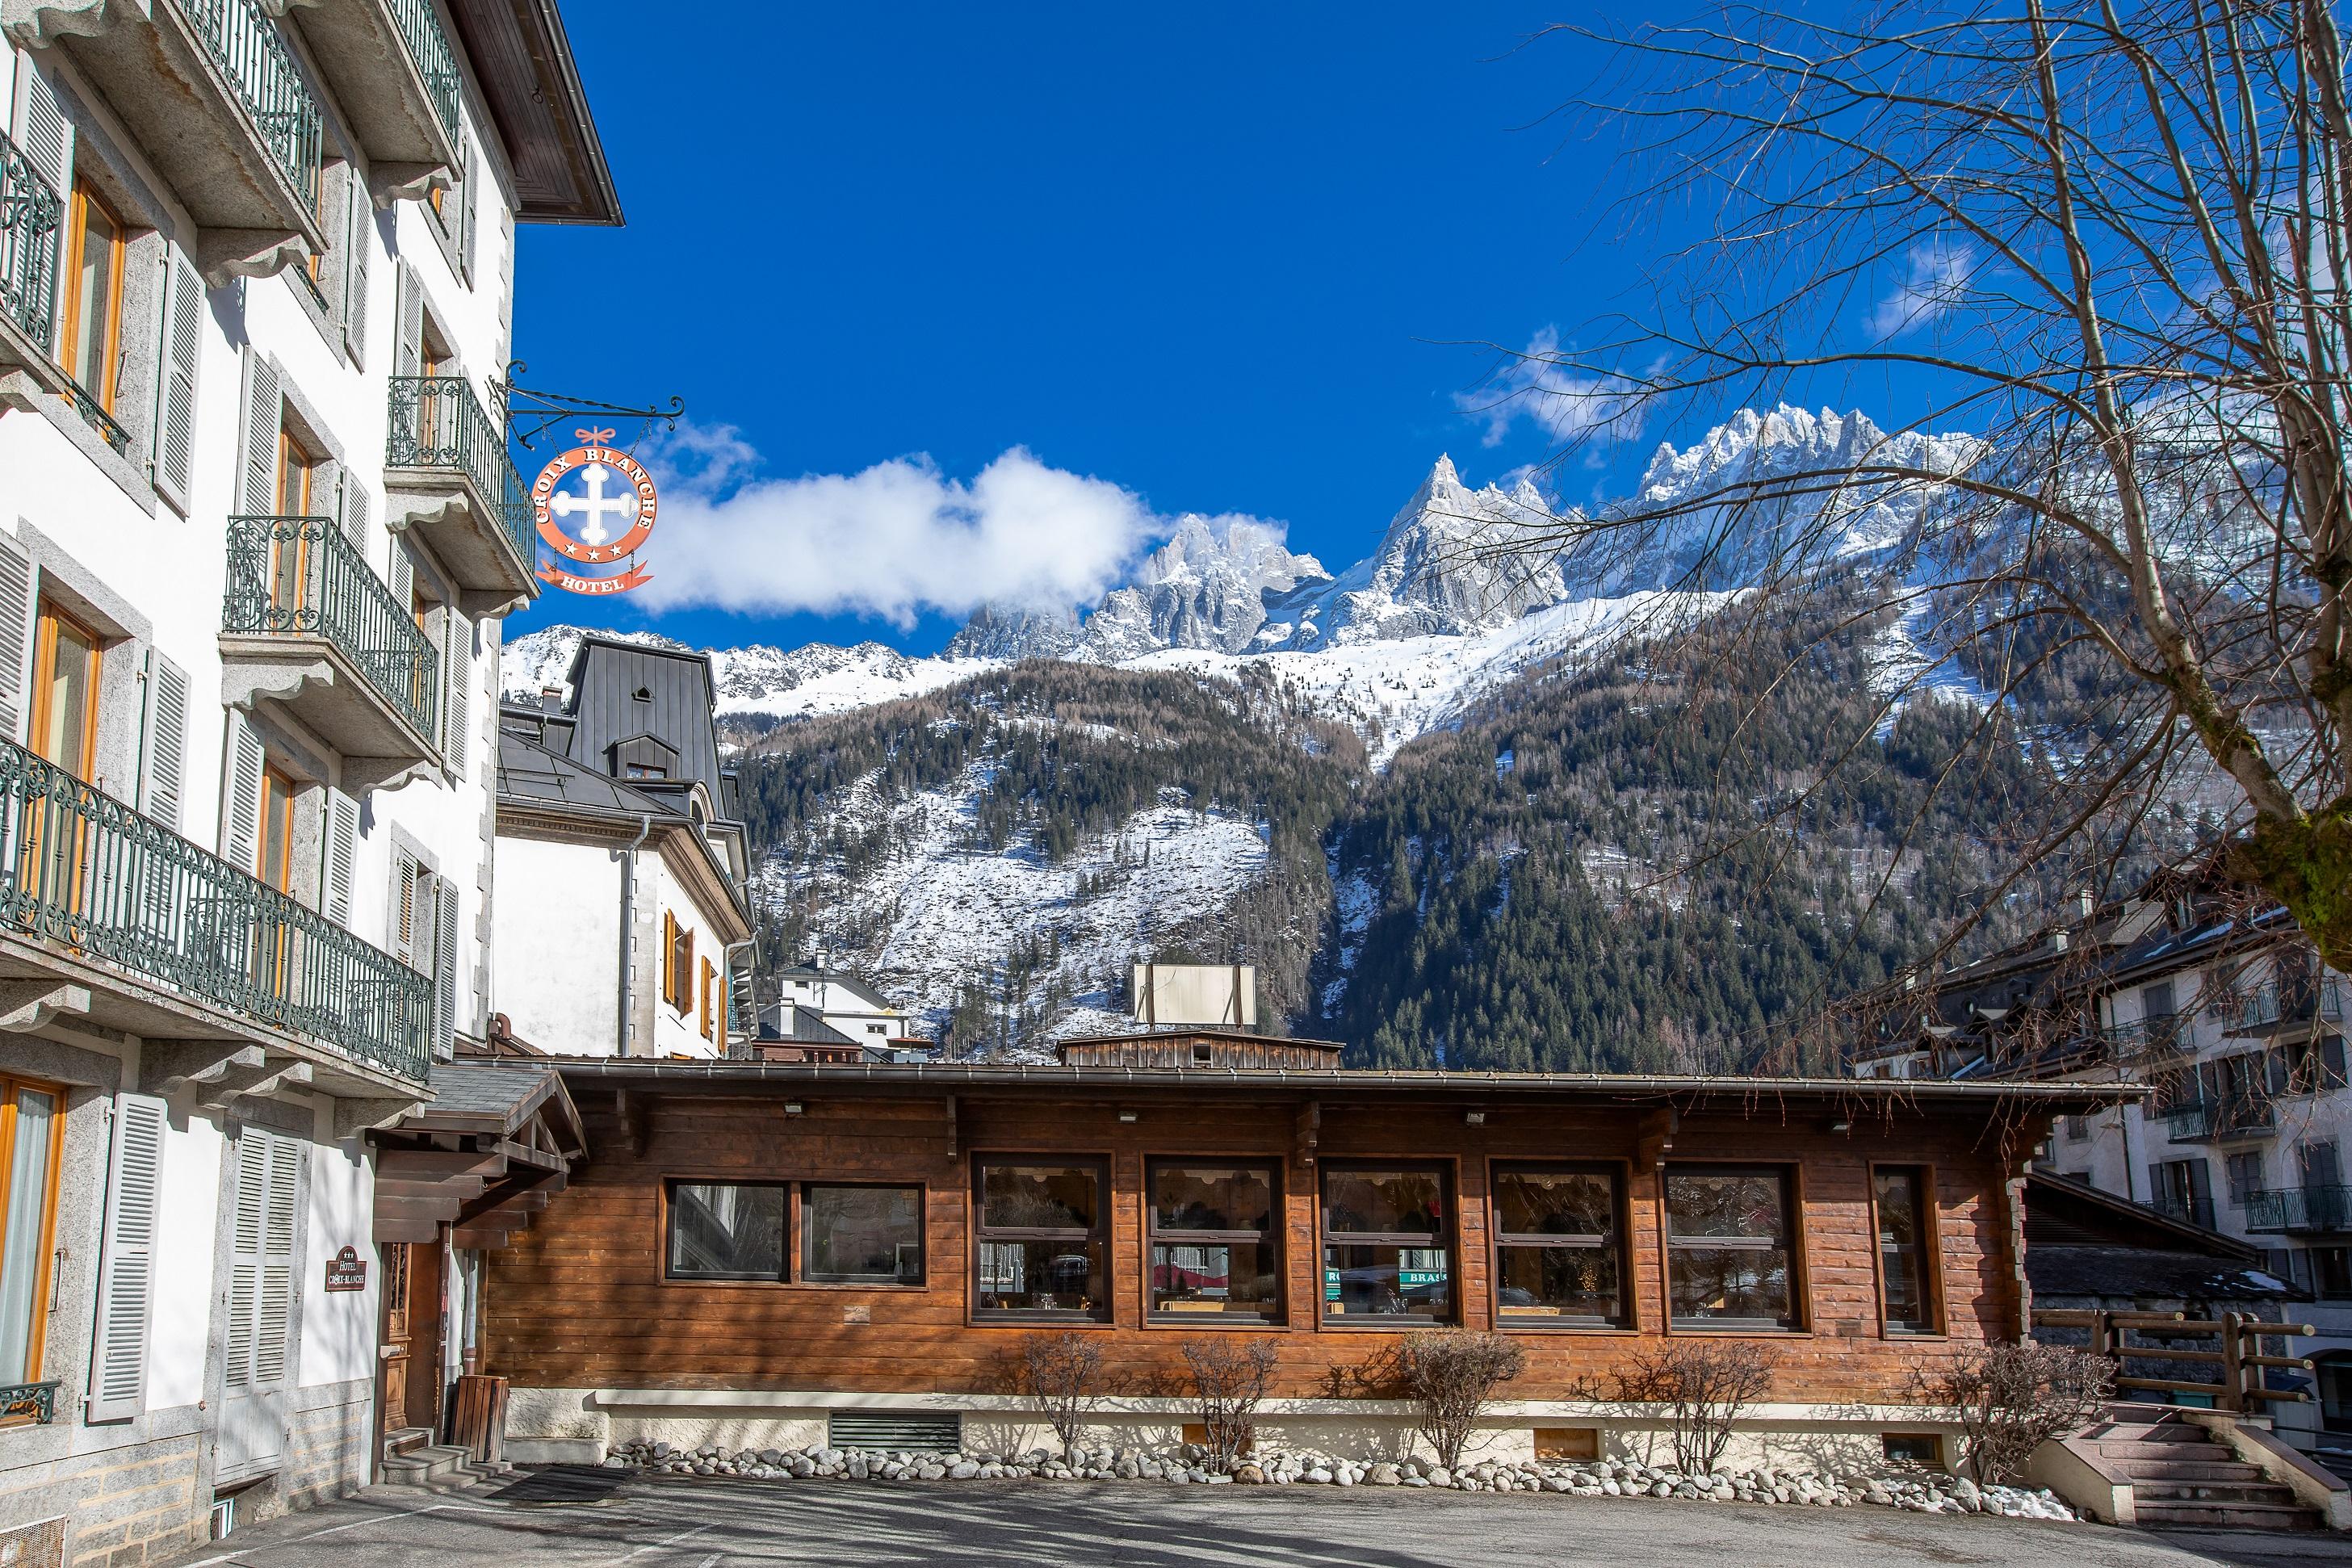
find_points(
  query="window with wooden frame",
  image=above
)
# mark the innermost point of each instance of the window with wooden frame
(1730, 1247)
(1902, 1198)
(274, 850)
(32, 1134)
(1214, 1242)
(1559, 1247)
(66, 658)
(727, 1230)
(858, 1233)
(90, 349)
(1386, 1256)
(1042, 1244)
(708, 975)
(677, 964)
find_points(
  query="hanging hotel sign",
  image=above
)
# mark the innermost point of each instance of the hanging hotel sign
(347, 1270)
(594, 505)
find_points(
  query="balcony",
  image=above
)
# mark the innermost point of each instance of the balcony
(2219, 1121)
(308, 624)
(2285, 1013)
(2189, 1211)
(118, 918)
(2305, 1210)
(2143, 1037)
(446, 472)
(212, 94)
(30, 213)
(389, 65)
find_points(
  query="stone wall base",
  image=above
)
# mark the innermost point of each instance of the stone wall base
(583, 1425)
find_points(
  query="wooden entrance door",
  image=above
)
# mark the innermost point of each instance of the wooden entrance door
(412, 1335)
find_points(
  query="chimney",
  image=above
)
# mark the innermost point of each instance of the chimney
(550, 699)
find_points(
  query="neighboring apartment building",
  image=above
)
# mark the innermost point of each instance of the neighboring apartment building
(824, 1014)
(2223, 1009)
(257, 525)
(615, 811)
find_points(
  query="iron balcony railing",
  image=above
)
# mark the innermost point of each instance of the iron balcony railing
(80, 868)
(428, 46)
(251, 52)
(2200, 1121)
(29, 214)
(109, 429)
(302, 576)
(2259, 1006)
(2318, 1208)
(438, 423)
(33, 1402)
(2143, 1035)
(2191, 1211)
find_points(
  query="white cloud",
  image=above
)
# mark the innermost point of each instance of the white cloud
(893, 540)
(1936, 277)
(1536, 383)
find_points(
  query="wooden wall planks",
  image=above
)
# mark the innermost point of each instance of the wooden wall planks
(580, 1299)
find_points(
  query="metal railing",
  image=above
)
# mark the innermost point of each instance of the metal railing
(438, 423)
(2143, 1035)
(2259, 1006)
(2321, 1207)
(302, 576)
(2206, 1119)
(35, 1402)
(80, 868)
(109, 429)
(29, 215)
(428, 47)
(2189, 1211)
(247, 46)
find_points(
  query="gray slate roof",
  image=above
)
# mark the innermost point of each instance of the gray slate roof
(532, 774)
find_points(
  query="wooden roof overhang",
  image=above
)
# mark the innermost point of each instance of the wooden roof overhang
(524, 64)
(483, 1159)
(1655, 1103)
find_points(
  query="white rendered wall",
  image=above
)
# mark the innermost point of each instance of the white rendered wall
(675, 1033)
(557, 944)
(338, 1327)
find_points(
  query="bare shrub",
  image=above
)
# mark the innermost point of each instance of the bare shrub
(1451, 1376)
(1229, 1379)
(2012, 1398)
(1063, 1373)
(1705, 1384)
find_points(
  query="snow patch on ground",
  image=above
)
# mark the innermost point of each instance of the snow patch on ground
(1903, 669)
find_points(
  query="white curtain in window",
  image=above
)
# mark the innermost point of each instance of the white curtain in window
(20, 1248)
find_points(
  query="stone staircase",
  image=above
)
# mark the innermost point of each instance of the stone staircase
(412, 1462)
(2182, 1479)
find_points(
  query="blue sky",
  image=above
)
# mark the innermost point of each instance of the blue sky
(1225, 258)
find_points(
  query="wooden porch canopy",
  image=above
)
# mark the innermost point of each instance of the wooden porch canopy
(497, 1142)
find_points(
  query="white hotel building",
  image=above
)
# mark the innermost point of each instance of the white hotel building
(257, 527)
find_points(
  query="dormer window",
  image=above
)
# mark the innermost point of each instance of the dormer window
(643, 757)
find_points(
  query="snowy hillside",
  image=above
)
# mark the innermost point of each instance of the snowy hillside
(798, 683)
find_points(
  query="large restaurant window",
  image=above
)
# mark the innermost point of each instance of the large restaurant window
(1906, 1225)
(1384, 1243)
(1040, 1250)
(727, 1230)
(1559, 1247)
(861, 1235)
(1728, 1248)
(30, 1127)
(1213, 1253)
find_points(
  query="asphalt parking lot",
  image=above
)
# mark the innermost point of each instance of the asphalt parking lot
(698, 1524)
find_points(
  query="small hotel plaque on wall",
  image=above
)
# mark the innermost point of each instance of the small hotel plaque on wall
(346, 1271)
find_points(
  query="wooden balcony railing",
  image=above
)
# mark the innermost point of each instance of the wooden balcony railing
(2233, 1360)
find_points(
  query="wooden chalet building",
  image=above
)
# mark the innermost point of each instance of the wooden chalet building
(775, 1254)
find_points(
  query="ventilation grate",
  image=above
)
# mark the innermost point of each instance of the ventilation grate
(895, 1429)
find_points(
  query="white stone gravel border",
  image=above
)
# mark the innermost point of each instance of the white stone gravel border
(1917, 1491)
